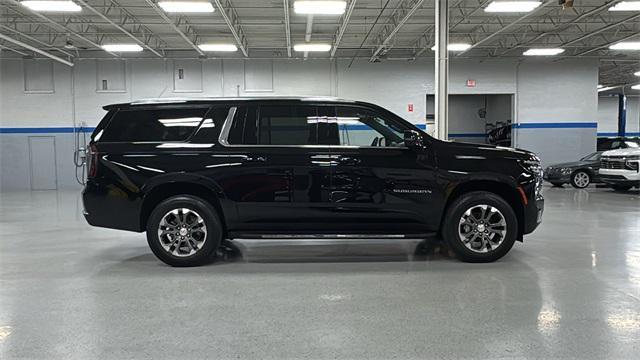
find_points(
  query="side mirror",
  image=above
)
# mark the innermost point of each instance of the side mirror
(413, 139)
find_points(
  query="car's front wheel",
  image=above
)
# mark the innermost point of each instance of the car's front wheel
(480, 227)
(580, 179)
(184, 231)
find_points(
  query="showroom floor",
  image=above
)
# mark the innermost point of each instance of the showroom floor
(572, 290)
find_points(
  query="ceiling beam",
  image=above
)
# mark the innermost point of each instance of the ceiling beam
(564, 26)
(602, 29)
(399, 17)
(175, 27)
(34, 49)
(20, 33)
(287, 26)
(231, 18)
(125, 31)
(341, 29)
(62, 28)
(509, 26)
(13, 50)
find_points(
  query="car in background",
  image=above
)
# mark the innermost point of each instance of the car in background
(621, 168)
(612, 143)
(579, 174)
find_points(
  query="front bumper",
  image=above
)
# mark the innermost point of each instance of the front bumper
(533, 215)
(556, 177)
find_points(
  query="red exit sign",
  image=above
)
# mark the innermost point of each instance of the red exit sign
(471, 83)
(410, 107)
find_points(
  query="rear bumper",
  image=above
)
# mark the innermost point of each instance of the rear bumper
(110, 207)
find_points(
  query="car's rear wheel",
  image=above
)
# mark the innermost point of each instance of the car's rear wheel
(480, 227)
(184, 231)
(580, 179)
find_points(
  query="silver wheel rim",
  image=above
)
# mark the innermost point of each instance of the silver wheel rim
(482, 228)
(581, 179)
(182, 232)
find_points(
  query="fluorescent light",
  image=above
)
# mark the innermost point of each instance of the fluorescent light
(312, 47)
(186, 6)
(626, 6)
(626, 46)
(512, 6)
(53, 6)
(636, 87)
(600, 86)
(637, 73)
(320, 7)
(543, 52)
(122, 47)
(455, 47)
(218, 47)
(606, 88)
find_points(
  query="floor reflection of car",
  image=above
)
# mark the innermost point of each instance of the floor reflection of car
(579, 173)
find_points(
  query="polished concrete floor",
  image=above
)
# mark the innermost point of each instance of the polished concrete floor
(571, 290)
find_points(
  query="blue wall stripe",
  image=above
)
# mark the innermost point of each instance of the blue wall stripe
(43, 130)
(615, 133)
(565, 125)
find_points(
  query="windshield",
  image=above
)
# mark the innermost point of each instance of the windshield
(632, 143)
(593, 156)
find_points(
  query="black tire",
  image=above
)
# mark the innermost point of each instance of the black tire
(576, 183)
(557, 184)
(621, 188)
(452, 223)
(212, 239)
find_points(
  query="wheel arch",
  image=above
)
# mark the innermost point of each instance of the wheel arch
(506, 191)
(158, 192)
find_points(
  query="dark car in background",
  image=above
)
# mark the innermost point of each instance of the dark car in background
(195, 173)
(613, 143)
(579, 174)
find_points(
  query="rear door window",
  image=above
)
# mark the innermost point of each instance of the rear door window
(153, 124)
(275, 125)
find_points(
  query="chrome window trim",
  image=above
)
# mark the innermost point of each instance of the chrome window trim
(223, 139)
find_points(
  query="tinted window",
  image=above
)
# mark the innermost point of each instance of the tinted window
(209, 129)
(356, 126)
(153, 125)
(275, 125)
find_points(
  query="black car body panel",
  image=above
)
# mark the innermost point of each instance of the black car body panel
(303, 189)
(561, 173)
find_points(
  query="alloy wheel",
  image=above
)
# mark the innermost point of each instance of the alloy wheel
(581, 179)
(182, 232)
(482, 228)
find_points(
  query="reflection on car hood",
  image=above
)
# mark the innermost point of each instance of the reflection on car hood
(622, 152)
(573, 164)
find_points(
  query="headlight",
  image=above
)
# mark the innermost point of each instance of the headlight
(631, 165)
(533, 165)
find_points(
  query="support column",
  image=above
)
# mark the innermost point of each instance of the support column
(622, 114)
(442, 69)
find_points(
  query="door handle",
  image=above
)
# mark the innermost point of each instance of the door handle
(347, 160)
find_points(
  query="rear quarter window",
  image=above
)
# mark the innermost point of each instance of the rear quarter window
(153, 125)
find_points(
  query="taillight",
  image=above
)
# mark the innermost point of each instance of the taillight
(93, 161)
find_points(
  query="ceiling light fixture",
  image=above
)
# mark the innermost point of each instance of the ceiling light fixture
(626, 6)
(320, 7)
(626, 46)
(607, 88)
(543, 52)
(52, 6)
(122, 47)
(312, 47)
(637, 73)
(636, 87)
(455, 47)
(218, 47)
(512, 6)
(186, 6)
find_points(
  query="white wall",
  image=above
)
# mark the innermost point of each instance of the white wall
(608, 114)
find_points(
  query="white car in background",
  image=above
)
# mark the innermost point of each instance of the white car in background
(621, 168)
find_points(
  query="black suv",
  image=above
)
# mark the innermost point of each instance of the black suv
(193, 173)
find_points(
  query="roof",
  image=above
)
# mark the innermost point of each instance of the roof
(190, 100)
